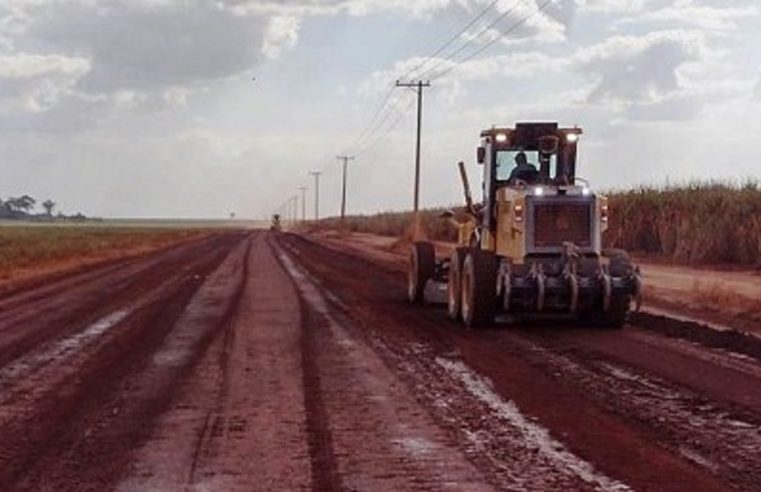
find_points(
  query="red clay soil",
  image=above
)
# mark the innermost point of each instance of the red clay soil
(271, 362)
(655, 411)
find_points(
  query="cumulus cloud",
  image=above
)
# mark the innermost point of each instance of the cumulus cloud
(36, 83)
(282, 33)
(148, 45)
(638, 68)
(123, 55)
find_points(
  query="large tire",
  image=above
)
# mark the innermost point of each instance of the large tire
(421, 268)
(479, 288)
(454, 287)
(620, 265)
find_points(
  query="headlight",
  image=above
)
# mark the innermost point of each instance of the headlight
(501, 138)
(586, 191)
(572, 137)
(538, 191)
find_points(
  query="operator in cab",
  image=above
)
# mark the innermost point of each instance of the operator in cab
(524, 170)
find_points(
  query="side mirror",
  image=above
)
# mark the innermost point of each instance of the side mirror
(481, 155)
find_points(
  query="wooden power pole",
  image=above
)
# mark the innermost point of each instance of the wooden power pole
(345, 159)
(419, 85)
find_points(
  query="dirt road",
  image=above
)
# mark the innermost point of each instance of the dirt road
(262, 362)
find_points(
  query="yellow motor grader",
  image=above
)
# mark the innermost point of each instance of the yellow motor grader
(533, 247)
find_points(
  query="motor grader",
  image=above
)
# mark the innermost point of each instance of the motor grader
(276, 225)
(533, 247)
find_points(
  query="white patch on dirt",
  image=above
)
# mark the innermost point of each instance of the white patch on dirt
(307, 286)
(535, 436)
(699, 459)
(416, 446)
(61, 348)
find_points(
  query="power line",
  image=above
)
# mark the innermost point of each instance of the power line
(452, 39)
(369, 129)
(486, 46)
(390, 128)
(398, 104)
(472, 40)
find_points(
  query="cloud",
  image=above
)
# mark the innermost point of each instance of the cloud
(282, 33)
(687, 14)
(638, 68)
(121, 55)
(35, 83)
(145, 45)
(757, 89)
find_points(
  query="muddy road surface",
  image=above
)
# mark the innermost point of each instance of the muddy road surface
(253, 361)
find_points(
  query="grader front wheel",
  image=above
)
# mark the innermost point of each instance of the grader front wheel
(479, 296)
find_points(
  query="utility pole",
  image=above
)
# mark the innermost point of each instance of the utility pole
(345, 159)
(316, 175)
(295, 209)
(303, 190)
(416, 200)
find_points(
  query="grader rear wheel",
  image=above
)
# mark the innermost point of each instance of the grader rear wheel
(479, 295)
(421, 268)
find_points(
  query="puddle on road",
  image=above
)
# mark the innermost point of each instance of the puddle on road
(61, 349)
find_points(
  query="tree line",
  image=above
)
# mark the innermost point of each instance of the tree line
(24, 207)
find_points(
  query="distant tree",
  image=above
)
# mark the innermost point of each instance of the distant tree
(49, 205)
(21, 205)
(27, 203)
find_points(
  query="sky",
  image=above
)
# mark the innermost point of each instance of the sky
(200, 108)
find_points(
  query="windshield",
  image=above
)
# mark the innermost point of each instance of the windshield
(507, 167)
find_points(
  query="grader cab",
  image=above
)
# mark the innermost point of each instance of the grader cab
(533, 246)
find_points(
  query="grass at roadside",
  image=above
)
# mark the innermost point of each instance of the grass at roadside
(29, 250)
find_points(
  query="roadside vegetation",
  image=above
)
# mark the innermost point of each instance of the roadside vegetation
(696, 224)
(29, 250)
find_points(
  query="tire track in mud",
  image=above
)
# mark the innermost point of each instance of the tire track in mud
(325, 476)
(214, 415)
(70, 305)
(236, 422)
(74, 435)
(409, 336)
